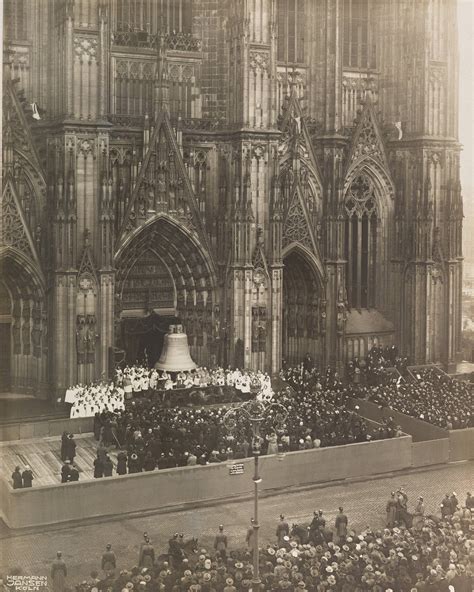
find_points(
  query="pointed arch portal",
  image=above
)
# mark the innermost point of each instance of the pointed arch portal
(23, 322)
(163, 274)
(302, 326)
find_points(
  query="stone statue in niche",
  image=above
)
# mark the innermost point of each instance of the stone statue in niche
(25, 330)
(90, 338)
(16, 331)
(81, 338)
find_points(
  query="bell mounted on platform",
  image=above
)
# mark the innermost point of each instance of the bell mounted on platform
(175, 356)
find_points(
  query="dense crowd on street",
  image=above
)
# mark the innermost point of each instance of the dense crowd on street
(432, 554)
(434, 397)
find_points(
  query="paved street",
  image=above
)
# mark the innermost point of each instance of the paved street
(364, 503)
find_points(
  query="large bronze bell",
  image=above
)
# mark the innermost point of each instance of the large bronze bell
(175, 356)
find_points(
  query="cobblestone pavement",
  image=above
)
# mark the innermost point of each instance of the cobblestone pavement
(364, 504)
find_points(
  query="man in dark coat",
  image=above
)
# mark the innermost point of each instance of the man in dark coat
(146, 558)
(98, 468)
(175, 550)
(27, 477)
(121, 463)
(66, 472)
(16, 479)
(109, 561)
(64, 445)
(71, 448)
(149, 462)
(108, 466)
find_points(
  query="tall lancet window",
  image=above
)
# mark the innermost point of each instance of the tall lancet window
(173, 16)
(361, 243)
(15, 15)
(359, 51)
(291, 21)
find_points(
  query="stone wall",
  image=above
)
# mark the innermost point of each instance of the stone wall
(196, 485)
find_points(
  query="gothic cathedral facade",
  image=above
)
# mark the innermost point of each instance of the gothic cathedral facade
(282, 176)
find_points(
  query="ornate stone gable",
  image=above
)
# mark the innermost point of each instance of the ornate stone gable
(296, 139)
(367, 139)
(296, 227)
(163, 186)
(14, 229)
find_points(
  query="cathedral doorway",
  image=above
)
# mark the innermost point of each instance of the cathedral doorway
(23, 339)
(301, 326)
(5, 338)
(163, 276)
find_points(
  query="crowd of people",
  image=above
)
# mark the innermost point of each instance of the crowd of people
(377, 366)
(435, 398)
(139, 381)
(153, 436)
(434, 554)
(87, 400)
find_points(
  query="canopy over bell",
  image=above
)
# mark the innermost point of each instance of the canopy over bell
(175, 356)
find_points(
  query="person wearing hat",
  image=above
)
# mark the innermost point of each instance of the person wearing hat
(175, 550)
(98, 467)
(64, 446)
(341, 526)
(146, 557)
(70, 451)
(16, 479)
(229, 585)
(391, 510)
(108, 466)
(220, 543)
(121, 467)
(58, 573)
(282, 530)
(109, 561)
(27, 477)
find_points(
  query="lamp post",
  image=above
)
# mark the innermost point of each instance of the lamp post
(255, 412)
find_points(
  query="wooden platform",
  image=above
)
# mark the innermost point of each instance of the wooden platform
(43, 456)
